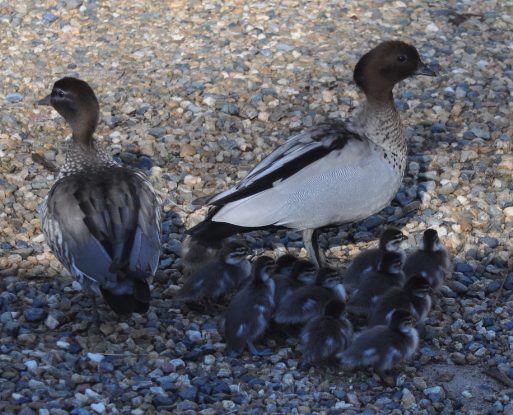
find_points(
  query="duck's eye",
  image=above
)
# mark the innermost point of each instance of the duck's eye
(61, 93)
(401, 58)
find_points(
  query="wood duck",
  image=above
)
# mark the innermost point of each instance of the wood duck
(250, 311)
(325, 336)
(102, 221)
(302, 273)
(431, 260)
(383, 347)
(414, 296)
(369, 260)
(309, 301)
(338, 171)
(377, 283)
(218, 277)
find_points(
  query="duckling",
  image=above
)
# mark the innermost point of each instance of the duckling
(218, 277)
(102, 221)
(309, 301)
(196, 254)
(377, 283)
(369, 260)
(414, 296)
(338, 171)
(249, 312)
(383, 347)
(325, 336)
(284, 265)
(302, 273)
(431, 260)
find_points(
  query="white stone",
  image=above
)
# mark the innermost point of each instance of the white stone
(76, 286)
(431, 27)
(95, 357)
(209, 359)
(209, 101)
(31, 364)
(51, 322)
(98, 407)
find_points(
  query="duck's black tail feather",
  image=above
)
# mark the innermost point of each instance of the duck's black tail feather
(139, 302)
(210, 231)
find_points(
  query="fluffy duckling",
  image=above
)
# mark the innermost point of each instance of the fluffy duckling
(309, 301)
(431, 260)
(377, 283)
(302, 273)
(250, 311)
(219, 276)
(369, 260)
(414, 296)
(339, 171)
(284, 265)
(383, 347)
(325, 336)
(102, 221)
(196, 254)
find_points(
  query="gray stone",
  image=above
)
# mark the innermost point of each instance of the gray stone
(74, 4)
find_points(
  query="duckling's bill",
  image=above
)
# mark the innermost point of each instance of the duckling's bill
(45, 101)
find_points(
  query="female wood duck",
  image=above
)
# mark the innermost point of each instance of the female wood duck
(338, 171)
(101, 220)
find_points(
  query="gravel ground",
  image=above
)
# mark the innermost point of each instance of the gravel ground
(196, 93)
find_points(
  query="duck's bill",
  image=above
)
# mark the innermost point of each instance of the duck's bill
(45, 100)
(423, 69)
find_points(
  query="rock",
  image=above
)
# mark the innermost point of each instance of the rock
(73, 4)
(17, 97)
(187, 150)
(9, 120)
(33, 315)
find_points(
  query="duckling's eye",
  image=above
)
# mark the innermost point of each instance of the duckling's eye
(401, 58)
(61, 93)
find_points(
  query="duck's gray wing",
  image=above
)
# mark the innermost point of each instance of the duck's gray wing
(102, 226)
(293, 156)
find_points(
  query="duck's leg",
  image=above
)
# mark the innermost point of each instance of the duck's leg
(311, 243)
(266, 352)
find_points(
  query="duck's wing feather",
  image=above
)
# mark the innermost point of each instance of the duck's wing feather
(298, 153)
(107, 225)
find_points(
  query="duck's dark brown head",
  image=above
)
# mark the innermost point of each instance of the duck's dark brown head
(75, 100)
(390, 62)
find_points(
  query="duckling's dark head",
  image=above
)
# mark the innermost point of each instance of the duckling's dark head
(418, 286)
(75, 100)
(304, 271)
(430, 241)
(327, 277)
(401, 320)
(233, 253)
(387, 64)
(285, 263)
(391, 263)
(391, 239)
(263, 267)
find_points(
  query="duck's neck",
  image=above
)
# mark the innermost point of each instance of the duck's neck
(379, 121)
(85, 154)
